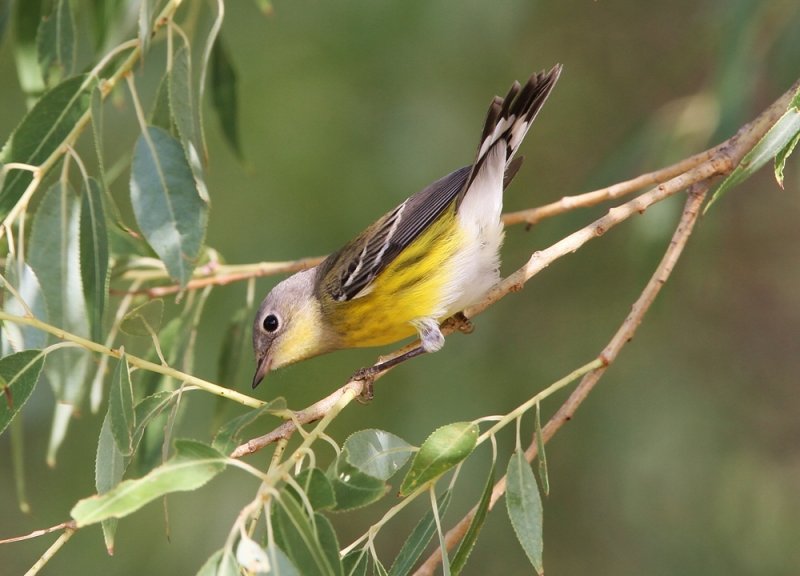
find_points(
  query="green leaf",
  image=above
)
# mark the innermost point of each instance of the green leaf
(42, 131)
(224, 96)
(27, 16)
(161, 115)
(167, 205)
(280, 564)
(317, 488)
(782, 156)
(353, 488)
(419, 539)
(475, 525)
(356, 562)
(54, 256)
(18, 337)
(94, 255)
(109, 468)
(778, 138)
(233, 344)
(120, 407)
(193, 465)
(180, 102)
(147, 409)
(145, 319)
(301, 540)
(229, 434)
(541, 456)
(55, 43)
(377, 453)
(18, 376)
(443, 449)
(525, 508)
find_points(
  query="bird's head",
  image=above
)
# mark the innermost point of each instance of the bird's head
(288, 326)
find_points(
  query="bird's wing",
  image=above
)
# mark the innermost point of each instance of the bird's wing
(348, 273)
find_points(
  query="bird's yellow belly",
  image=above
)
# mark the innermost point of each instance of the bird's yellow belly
(417, 284)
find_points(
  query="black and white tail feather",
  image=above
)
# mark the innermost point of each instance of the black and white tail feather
(478, 191)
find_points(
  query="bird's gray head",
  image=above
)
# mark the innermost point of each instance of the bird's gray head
(288, 326)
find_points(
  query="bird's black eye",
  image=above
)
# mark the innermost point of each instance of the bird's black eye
(270, 323)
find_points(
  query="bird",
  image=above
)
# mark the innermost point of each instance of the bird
(429, 258)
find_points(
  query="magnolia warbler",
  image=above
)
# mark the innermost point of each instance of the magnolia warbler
(432, 256)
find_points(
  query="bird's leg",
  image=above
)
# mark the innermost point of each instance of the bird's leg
(430, 335)
(431, 340)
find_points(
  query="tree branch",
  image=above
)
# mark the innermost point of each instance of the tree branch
(702, 168)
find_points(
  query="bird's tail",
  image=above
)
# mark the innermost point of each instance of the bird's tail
(510, 118)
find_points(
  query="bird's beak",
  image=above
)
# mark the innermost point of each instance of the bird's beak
(261, 370)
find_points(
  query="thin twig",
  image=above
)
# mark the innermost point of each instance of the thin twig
(69, 524)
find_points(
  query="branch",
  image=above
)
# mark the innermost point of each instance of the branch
(134, 360)
(703, 168)
(623, 335)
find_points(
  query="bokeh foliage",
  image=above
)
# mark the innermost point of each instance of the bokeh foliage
(683, 461)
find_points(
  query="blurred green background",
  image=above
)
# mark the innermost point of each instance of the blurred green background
(686, 458)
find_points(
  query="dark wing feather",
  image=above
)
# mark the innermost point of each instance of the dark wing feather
(362, 259)
(347, 274)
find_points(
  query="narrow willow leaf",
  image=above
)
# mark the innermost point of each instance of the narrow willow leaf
(161, 115)
(525, 508)
(55, 43)
(779, 136)
(94, 255)
(147, 409)
(120, 407)
(54, 256)
(233, 344)
(193, 465)
(109, 468)
(475, 525)
(27, 16)
(180, 95)
(440, 533)
(42, 131)
(419, 539)
(443, 449)
(280, 564)
(353, 488)
(377, 453)
(317, 488)
(166, 202)
(224, 96)
(782, 156)
(541, 455)
(183, 113)
(296, 536)
(356, 562)
(16, 338)
(17, 434)
(18, 376)
(330, 545)
(144, 320)
(96, 107)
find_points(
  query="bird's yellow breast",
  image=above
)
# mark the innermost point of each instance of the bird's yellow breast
(412, 286)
